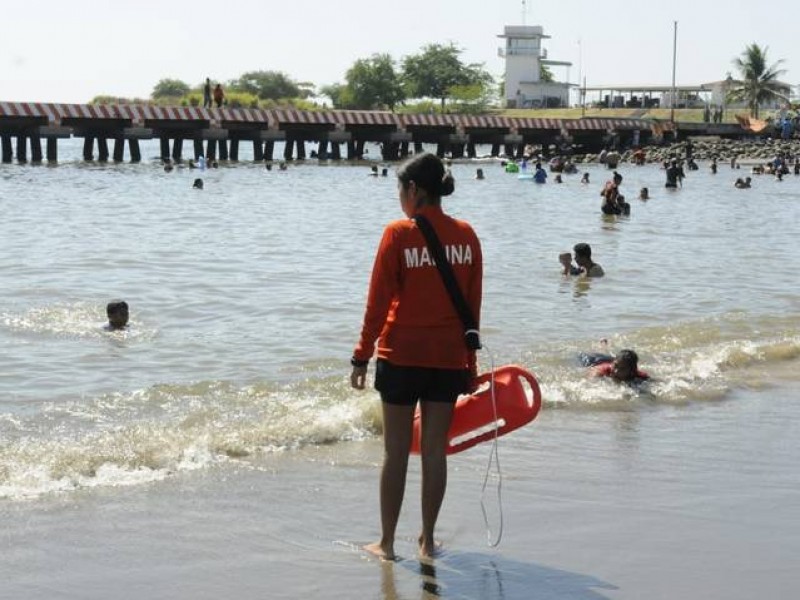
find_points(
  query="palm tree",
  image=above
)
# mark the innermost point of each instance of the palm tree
(758, 81)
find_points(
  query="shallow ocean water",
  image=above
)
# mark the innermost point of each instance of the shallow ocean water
(230, 387)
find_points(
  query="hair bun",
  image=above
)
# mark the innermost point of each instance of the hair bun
(448, 184)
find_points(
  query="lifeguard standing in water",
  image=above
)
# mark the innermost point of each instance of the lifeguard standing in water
(421, 351)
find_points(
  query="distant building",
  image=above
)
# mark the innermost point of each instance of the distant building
(719, 91)
(524, 58)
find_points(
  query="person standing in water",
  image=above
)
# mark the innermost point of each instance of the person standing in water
(422, 355)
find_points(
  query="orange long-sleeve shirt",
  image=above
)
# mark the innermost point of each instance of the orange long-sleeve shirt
(408, 309)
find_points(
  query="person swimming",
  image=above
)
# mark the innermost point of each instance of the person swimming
(623, 367)
(117, 313)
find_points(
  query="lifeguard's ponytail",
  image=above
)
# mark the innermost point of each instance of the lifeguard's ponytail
(428, 173)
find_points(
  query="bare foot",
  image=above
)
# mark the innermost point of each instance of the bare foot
(377, 550)
(429, 548)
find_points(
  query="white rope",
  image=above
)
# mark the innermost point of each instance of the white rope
(493, 458)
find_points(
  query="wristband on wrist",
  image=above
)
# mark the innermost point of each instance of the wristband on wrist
(358, 363)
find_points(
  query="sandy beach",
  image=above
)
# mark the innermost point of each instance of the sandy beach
(595, 505)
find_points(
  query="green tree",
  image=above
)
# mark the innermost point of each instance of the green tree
(545, 74)
(471, 99)
(268, 84)
(373, 82)
(339, 94)
(759, 82)
(438, 69)
(170, 88)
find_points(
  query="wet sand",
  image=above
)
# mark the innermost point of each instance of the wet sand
(698, 501)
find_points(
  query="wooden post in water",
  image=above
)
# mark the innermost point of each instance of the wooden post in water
(52, 149)
(198, 148)
(119, 149)
(336, 151)
(8, 153)
(440, 147)
(22, 148)
(322, 150)
(359, 149)
(234, 150)
(418, 148)
(211, 150)
(471, 153)
(351, 150)
(164, 147)
(288, 148)
(495, 149)
(133, 148)
(403, 149)
(223, 149)
(509, 150)
(177, 148)
(258, 151)
(269, 150)
(36, 148)
(102, 149)
(301, 149)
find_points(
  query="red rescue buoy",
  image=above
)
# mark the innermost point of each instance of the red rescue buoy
(474, 416)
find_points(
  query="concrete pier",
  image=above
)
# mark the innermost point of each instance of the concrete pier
(221, 131)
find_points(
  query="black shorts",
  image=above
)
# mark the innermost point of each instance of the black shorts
(406, 385)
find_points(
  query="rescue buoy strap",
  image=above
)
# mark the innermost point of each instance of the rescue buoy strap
(471, 334)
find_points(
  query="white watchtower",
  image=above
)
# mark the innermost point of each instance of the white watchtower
(525, 57)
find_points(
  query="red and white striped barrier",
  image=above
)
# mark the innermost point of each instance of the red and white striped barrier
(138, 114)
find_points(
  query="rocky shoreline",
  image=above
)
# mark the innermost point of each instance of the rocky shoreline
(756, 151)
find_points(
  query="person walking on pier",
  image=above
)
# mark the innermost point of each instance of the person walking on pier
(219, 95)
(207, 94)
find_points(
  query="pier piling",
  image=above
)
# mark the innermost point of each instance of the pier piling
(119, 149)
(258, 151)
(102, 148)
(8, 153)
(52, 149)
(133, 147)
(177, 149)
(22, 149)
(36, 148)
(164, 140)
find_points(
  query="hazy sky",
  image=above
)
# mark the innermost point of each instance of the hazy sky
(58, 51)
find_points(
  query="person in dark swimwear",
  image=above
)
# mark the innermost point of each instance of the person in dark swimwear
(624, 367)
(583, 259)
(675, 175)
(624, 207)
